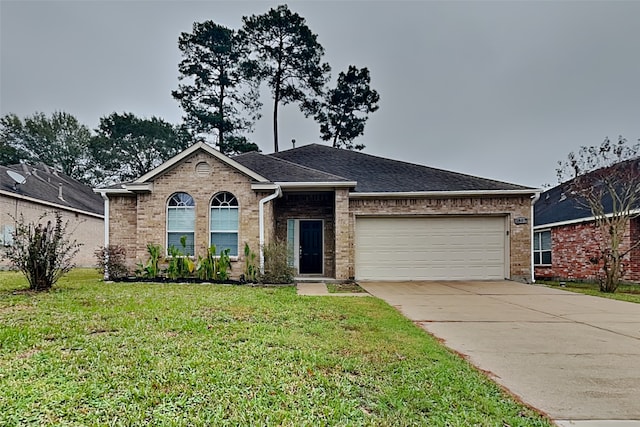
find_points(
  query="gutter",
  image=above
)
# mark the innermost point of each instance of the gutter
(534, 199)
(278, 193)
(106, 234)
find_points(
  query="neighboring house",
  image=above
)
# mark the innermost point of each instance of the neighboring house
(566, 239)
(46, 190)
(343, 214)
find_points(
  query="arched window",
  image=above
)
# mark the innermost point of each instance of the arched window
(181, 221)
(224, 223)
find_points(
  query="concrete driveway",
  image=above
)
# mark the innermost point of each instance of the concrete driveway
(572, 356)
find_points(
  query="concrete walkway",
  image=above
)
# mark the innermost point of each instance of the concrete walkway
(572, 356)
(320, 289)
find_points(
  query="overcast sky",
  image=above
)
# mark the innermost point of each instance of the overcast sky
(501, 90)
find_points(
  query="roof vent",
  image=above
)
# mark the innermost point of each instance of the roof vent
(60, 192)
(203, 169)
(563, 197)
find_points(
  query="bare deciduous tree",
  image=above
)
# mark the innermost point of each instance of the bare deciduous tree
(606, 180)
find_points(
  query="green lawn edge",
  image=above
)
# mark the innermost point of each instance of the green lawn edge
(625, 292)
(95, 353)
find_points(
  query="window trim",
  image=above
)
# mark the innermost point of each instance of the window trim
(229, 207)
(537, 235)
(167, 231)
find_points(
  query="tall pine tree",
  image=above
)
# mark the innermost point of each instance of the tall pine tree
(217, 93)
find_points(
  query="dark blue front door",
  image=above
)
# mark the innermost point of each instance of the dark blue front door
(310, 247)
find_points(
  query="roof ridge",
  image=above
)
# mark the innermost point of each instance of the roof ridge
(402, 162)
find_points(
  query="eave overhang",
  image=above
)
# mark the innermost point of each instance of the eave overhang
(115, 191)
(139, 187)
(440, 194)
(316, 185)
(632, 213)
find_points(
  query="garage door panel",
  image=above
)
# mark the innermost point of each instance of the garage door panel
(442, 248)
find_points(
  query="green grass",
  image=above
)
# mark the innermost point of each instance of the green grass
(337, 288)
(629, 293)
(90, 353)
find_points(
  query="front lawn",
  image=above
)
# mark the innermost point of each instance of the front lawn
(629, 293)
(90, 353)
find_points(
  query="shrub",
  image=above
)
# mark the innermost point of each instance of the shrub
(43, 253)
(224, 265)
(180, 265)
(111, 261)
(250, 268)
(151, 268)
(276, 264)
(211, 267)
(207, 267)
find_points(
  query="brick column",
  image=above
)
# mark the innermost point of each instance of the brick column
(342, 260)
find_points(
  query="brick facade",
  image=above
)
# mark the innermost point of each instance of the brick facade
(575, 247)
(509, 206)
(139, 219)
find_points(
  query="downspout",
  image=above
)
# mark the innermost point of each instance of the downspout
(106, 234)
(534, 199)
(270, 197)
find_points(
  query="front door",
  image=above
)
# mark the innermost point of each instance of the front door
(310, 247)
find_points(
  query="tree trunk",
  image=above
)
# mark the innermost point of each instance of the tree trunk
(221, 128)
(276, 101)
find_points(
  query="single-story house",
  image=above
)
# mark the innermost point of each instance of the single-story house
(567, 241)
(343, 214)
(33, 190)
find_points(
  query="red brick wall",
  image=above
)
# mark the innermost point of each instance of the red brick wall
(634, 261)
(572, 248)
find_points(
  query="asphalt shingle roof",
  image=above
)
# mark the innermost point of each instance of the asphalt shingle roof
(557, 204)
(378, 174)
(280, 170)
(43, 183)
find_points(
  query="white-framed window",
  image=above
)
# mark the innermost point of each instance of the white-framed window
(542, 247)
(6, 235)
(223, 223)
(181, 221)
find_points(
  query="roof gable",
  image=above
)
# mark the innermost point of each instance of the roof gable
(149, 176)
(378, 174)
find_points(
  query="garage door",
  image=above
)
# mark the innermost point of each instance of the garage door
(438, 248)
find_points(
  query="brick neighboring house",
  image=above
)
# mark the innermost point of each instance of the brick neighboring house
(46, 190)
(566, 239)
(343, 214)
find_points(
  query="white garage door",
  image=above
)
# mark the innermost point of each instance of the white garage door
(437, 248)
